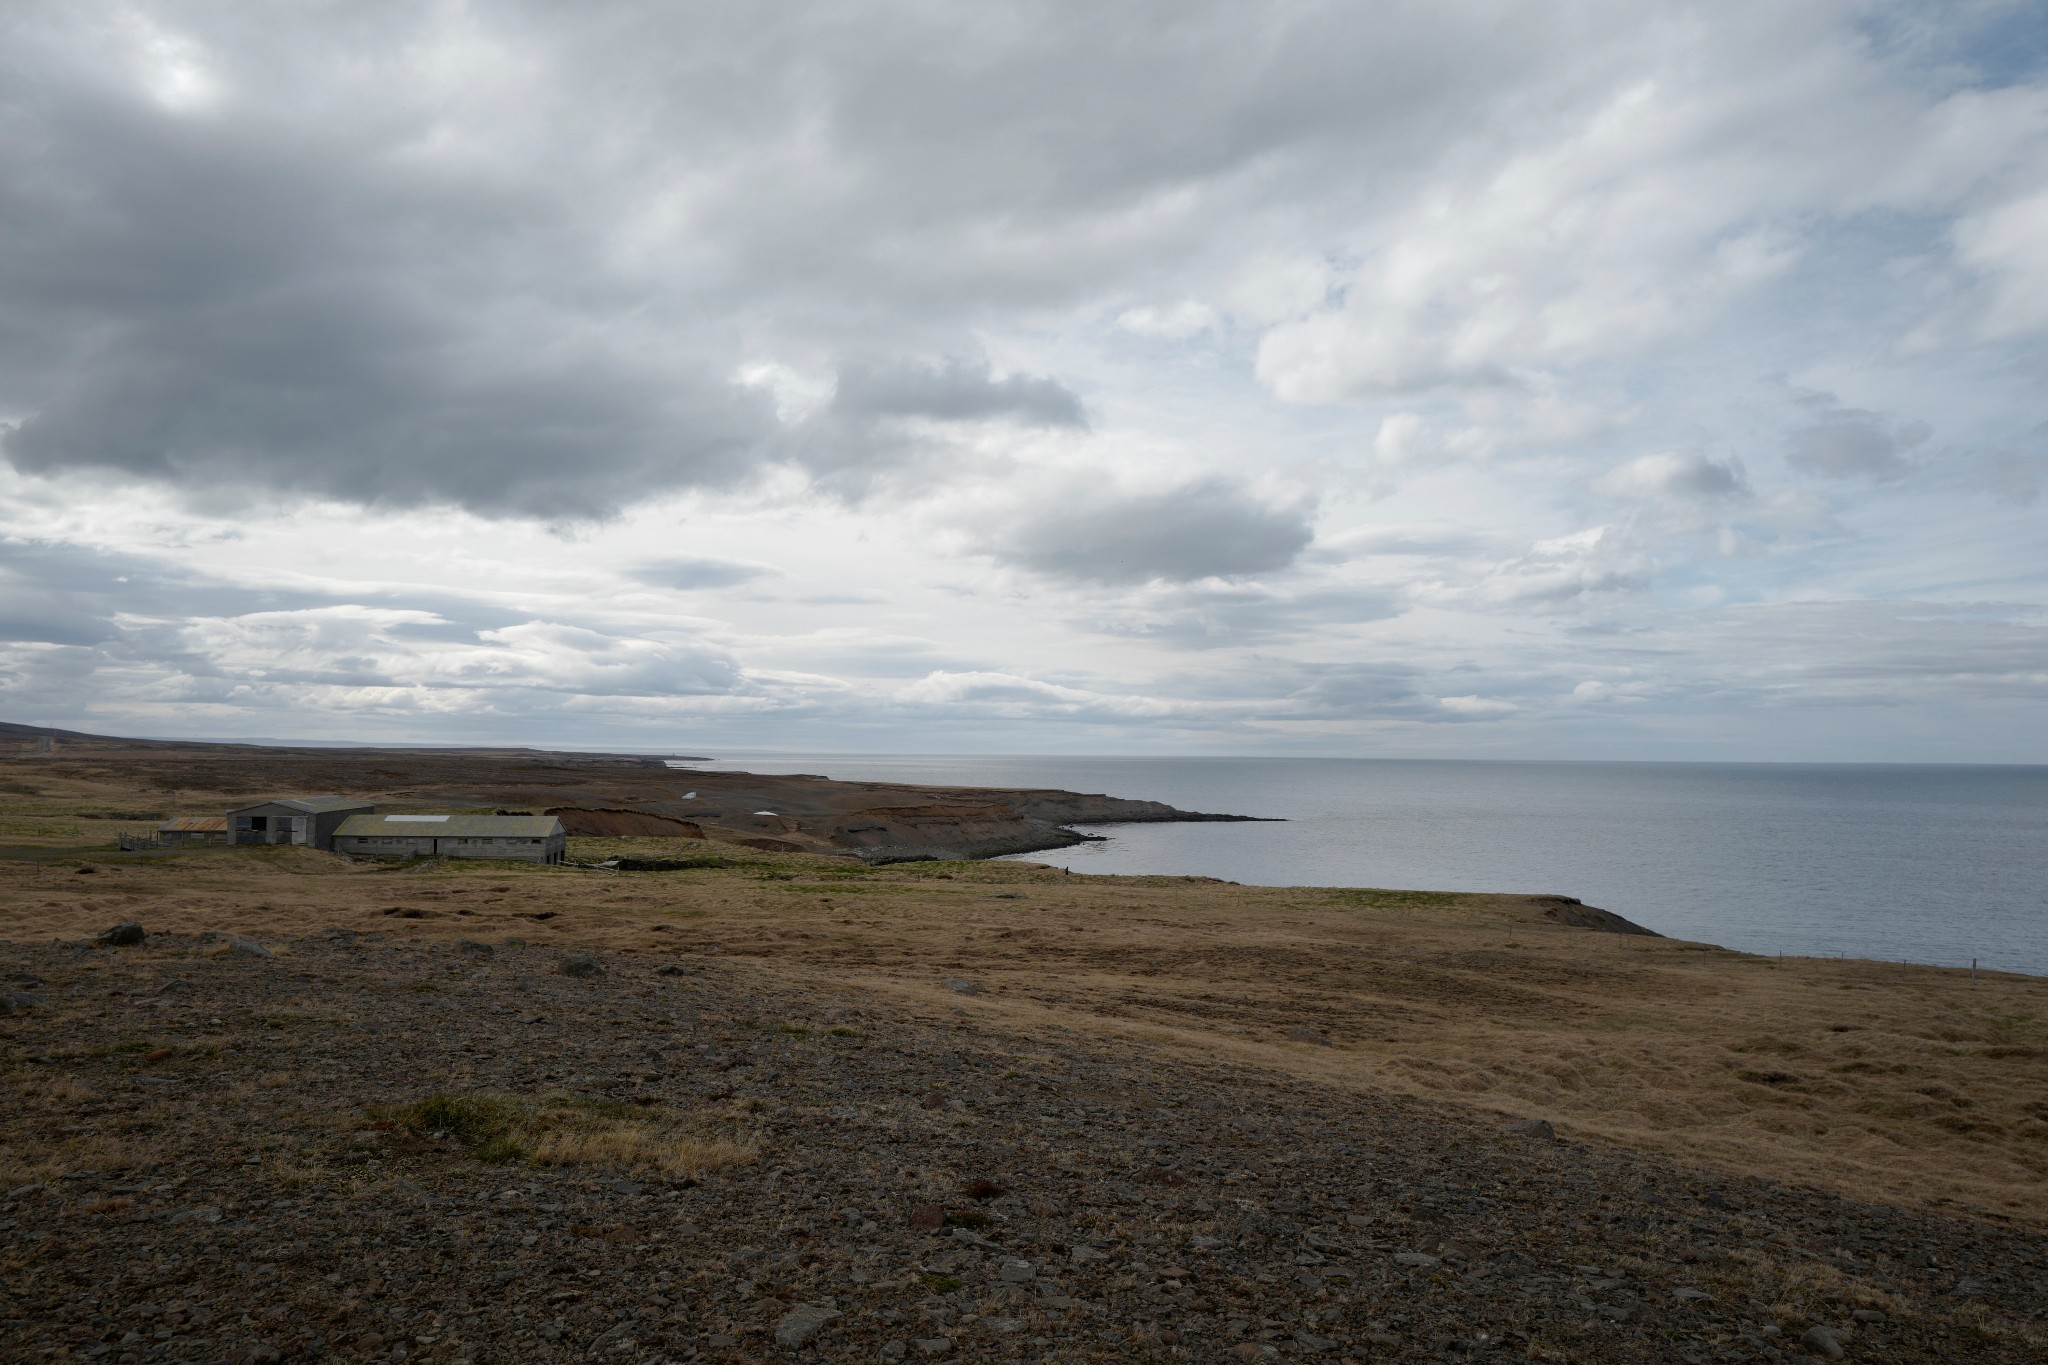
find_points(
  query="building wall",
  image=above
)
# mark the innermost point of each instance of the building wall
(326, 822)
(277, 825)
(288, 826)
(503, 850)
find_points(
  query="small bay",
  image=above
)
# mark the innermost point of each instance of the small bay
(1937, 864)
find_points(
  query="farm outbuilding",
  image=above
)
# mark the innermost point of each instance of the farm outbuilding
(193, 831)
(521, 838)
(307, 820)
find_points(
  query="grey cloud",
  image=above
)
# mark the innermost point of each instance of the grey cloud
(1421, 541)
(349, 273)
(887, 425)
(56, 592)
(244, 308)
(1853, 443)
(1217, 616)
(1214, 528)
(2011, 477)
(1393, 691)
(955, 391)
(689, 574)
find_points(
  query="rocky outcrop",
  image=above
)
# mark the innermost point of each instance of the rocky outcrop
(1569, 910)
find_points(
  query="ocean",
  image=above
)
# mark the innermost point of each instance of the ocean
(1918, 863)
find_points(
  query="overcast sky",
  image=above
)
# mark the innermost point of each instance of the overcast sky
(1607, 379)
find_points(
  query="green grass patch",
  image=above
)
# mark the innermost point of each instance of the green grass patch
(481, 1123)
(939, 1284)
(567, 1131)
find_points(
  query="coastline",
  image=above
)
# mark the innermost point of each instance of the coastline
(1135, 1062)
(594, 794)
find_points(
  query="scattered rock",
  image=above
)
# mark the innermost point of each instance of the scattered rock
(1310, 1036)
(175, 988)
(801, 1323)
(18, 1002)
(959, 986)
(1867, 1315)
(474, 948)
(579, 964)
(1350, 1239)
(262, 1353)
(1823, 1341)
(248, 947)
(1535, 1128)
(126, 934)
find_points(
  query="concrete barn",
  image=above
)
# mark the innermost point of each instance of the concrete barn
(193, 831)
(307, 820)
(520, 838)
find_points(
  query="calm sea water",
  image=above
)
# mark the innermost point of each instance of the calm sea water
(1923, 863)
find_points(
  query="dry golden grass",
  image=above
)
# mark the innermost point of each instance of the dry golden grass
(1913, 1085)
(638, 1147)
(571, 1132)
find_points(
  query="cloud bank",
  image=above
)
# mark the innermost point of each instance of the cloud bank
(1443, 376)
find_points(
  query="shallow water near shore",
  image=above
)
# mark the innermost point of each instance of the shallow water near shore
(1932, 864)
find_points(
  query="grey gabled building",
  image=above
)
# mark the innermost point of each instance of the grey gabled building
(521, 838)
(307, 820)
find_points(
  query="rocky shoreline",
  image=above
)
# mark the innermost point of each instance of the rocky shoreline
(231, 1164)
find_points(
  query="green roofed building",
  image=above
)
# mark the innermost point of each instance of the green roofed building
(518, 838)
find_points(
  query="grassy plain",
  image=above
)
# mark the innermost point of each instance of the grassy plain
(1912, 1085)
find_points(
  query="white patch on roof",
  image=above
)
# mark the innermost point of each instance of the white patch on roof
(418, 819)
(764, 812)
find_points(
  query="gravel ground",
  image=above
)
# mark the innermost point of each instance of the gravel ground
(207, 1158)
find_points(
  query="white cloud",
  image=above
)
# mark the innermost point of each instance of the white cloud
(1676, 476)
(1175, 323)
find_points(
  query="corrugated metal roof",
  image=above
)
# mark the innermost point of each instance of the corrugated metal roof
(455, 827)
(310, 805)
(194, 824)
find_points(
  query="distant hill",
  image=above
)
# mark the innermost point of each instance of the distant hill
(30, 733)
